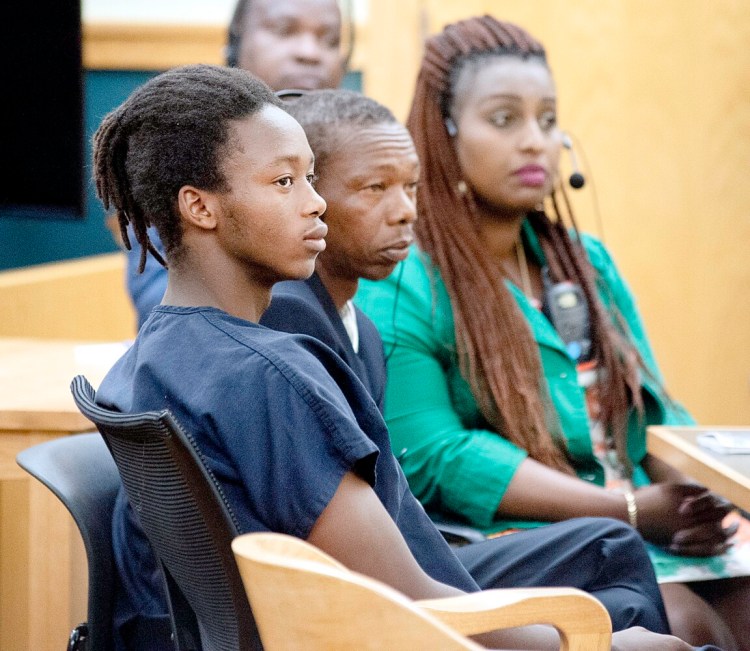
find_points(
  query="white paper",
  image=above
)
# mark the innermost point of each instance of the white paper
(105, 354)
(726, 441)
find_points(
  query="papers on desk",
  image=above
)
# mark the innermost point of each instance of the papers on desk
(726, 441)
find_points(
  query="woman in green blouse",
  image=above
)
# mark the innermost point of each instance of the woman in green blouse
(499, 418)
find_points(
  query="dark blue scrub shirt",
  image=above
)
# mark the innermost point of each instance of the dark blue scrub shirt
(279, 419)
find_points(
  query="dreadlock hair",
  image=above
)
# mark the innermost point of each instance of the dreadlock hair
(172, 131)
(497, 352)
(328, 115)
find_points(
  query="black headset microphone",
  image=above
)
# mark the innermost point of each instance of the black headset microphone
(576, 179)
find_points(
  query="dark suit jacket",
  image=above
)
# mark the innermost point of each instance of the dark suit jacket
(306, 307)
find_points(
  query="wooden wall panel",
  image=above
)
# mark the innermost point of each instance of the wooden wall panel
(134, 46)
(77, 299)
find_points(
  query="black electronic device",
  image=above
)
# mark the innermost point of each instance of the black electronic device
(576, 179)
(567, 309)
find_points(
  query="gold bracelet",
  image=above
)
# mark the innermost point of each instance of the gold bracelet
(632, 509)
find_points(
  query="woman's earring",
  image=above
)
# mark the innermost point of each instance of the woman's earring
(450, 127)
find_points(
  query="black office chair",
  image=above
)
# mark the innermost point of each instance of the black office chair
(186, 518)
(80, 471)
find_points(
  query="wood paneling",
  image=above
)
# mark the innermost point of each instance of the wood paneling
(75, 299)
(134, 46)
(42, 560)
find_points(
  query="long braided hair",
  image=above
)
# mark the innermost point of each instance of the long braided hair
(496, 349)
(172, 131)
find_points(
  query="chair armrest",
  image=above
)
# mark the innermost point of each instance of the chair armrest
(581, 620)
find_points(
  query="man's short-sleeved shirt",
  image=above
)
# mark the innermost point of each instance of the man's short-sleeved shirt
(279, 419)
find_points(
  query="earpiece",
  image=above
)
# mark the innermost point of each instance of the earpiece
(450, 127)
(576, 179)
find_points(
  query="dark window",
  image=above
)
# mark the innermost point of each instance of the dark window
(41, 113)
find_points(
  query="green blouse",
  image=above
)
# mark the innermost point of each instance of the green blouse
(455, 465)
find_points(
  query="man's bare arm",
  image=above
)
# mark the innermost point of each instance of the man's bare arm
(357, 531)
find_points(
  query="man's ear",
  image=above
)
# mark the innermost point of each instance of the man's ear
(198, 208)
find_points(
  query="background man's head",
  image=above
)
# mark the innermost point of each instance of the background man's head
(288, 43)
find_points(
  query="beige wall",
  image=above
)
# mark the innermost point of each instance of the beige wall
(658, 93)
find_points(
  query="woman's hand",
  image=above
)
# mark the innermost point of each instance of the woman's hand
(707, 539)
(659, 516)
(697, 523)
(677, 513)
(683, 516)
(707, 536)
(705, 507)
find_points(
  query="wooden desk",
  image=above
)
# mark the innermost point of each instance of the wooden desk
(42, 560)
(726, 474)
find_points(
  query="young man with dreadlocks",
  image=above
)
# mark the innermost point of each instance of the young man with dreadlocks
(287, 44)
(498, 418)
(206, 155)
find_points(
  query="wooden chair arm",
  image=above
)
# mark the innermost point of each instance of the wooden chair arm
(582, 621)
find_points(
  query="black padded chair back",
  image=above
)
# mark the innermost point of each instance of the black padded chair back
(80, 471)
(186, 518)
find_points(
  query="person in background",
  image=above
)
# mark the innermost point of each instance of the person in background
(520, 378)
(293, 450)
(287, 44)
